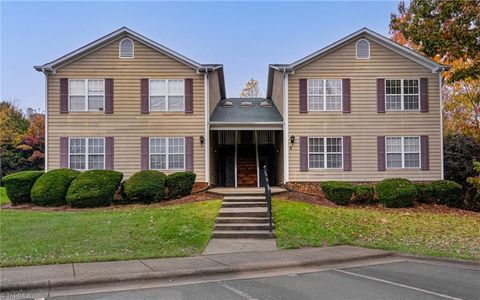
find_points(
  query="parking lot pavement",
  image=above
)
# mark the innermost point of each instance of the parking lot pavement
(397, 280)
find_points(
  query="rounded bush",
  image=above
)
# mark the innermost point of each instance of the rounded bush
(93, 188)
(51, 188)
(18, 185)
(396, 192)
(447, 192)
(145, 186)
(180, 184)
(338, 192)
(424, 192)
(364, 193)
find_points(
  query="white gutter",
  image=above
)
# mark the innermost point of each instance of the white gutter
(46, 122)
(286, 174)
(440, 84)
(207, 128)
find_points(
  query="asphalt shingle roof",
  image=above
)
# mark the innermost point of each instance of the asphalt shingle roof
(238, 113)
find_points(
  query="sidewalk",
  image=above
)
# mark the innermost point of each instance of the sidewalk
(76, 274)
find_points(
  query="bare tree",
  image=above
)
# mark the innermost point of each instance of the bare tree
(251, 90)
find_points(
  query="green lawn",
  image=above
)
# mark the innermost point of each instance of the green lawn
(300, 225)
(3, 196)
(39, 237)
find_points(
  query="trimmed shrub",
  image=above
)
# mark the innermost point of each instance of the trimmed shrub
(144, 186)
(472, 201)
(396, 192)
(364, 194)
(180, 184)
(18, 185)
(447, 192)
(51, 188)
(424, 192)
(339, 192)
(93, 188)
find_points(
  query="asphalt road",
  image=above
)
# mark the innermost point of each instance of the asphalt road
(397, 280)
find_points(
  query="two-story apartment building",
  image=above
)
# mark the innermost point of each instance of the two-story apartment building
(361, 109)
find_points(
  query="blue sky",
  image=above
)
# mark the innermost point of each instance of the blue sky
(243, 36)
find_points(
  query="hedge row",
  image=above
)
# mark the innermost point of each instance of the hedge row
(395, 192)
(94, 188)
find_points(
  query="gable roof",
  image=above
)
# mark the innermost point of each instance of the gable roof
(124, 32)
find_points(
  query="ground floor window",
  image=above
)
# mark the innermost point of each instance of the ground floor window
(325, 153)
(86, 153)
(403, 152)
(167, 153)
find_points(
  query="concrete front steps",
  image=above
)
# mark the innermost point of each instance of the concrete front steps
(243, 216)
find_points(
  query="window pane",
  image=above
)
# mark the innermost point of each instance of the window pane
(315, 86)
(158, 161)
(175, 161)
(394, 160)
(77, 102)
(412, 144)
(95, 87)
(158, 103)
(95, 103)
(334, 87)
(393, 87)
(126, 48)
(334, 160)
(412, 160)
(175, 145)
(394, 102)
(77, 162)
(410, 87)
(316, 161)
(96, 146)
(77, 87)
(394, 144)
(410, 102)
(334, 103)
(158, 146)
(334, 145)
(77, 146)
(158, 87)
(95, 162)
(175, 103)
(315, 102)
(316, 145)
(175, 87)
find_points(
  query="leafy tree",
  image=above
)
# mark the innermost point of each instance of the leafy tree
(442, 29)
(251, 89)
(459, 153)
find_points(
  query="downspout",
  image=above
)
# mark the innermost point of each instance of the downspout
(207, 128)
(440, 84)
(46, 122)
(286, 163)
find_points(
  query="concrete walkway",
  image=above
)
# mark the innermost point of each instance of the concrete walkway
(85, 274)
(217, 246)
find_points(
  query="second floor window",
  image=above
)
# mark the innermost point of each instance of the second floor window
(325, 153)
(324, 94)
(86, 153)
(402, 94)
(167, 153)
(86, 94)
(167, 95)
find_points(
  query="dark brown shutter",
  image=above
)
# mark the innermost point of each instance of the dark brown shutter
(189, 153)
(347, 153)
(381, 95)
(303, 103)
(425, 152)
(424, 94)
(64, 152)
(109, 95)
(63, 95)
(144, 94)
(188, 95)
(303, 154)
(144, 153)
(346, 95)
(109, 145)
(381, 153)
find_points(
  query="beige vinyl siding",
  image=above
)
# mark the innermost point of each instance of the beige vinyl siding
(126, 124)
(364, 124)
(213, 91)
(277, 90)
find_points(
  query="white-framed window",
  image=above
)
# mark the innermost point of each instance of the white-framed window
(86, 94)
(86, 153)
(167, 95)
(402, 94)
(325, 153)
(402, 152)
(324, 94)
(362, 49)
(167, 153)
(126, 48)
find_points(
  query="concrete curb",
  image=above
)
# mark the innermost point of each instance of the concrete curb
(464, 262)
(95, 280)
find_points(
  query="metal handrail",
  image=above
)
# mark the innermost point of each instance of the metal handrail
(268, 195)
